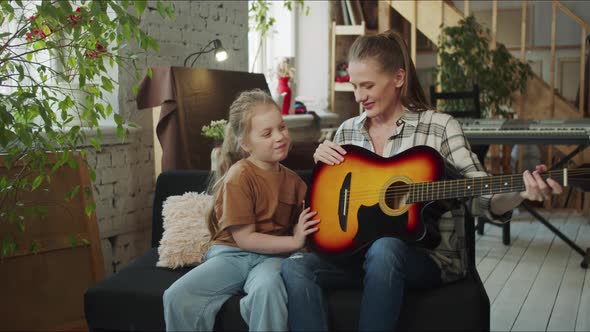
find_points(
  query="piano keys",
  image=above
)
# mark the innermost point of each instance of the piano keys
(530, 131)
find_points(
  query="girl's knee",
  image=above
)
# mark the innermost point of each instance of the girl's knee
(171, 299)
(270, 285)
(173, 296)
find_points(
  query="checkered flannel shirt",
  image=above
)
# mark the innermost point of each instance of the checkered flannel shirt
(443, 133)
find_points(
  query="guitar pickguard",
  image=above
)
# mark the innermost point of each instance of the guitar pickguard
(373, 223)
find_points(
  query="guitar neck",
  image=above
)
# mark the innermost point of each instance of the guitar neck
(473, 187)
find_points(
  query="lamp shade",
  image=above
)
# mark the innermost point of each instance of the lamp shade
(216, 47)
(221, 54)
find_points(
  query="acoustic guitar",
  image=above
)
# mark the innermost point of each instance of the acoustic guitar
(368, 196)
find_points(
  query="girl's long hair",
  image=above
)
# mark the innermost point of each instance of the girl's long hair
(391, 52)
(237, 128)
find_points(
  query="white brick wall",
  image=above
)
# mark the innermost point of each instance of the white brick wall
(123, 192)
(125, 183)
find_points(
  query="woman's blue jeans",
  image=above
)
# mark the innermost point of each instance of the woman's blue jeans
(389, 267)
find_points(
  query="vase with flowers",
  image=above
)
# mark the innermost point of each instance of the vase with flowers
(216, 131)
(285, 71)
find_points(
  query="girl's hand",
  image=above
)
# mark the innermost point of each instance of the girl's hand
(538, 189)
(304, 227)
(329, 153)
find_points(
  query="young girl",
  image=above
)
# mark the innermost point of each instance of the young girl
(396, 118)
(257, 217)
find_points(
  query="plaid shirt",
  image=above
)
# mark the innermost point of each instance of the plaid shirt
(443, 133)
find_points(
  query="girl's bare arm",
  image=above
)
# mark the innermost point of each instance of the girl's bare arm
(248, 239)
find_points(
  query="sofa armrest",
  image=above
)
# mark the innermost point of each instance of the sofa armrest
(174, 182)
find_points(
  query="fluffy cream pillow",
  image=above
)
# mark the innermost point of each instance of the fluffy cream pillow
(186, 237)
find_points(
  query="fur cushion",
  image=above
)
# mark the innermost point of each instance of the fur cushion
(186, 237)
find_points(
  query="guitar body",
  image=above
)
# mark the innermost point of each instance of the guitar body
(363, 199)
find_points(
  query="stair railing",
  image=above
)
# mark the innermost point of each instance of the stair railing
(585, 29)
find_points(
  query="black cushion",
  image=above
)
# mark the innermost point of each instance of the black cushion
(132, 298)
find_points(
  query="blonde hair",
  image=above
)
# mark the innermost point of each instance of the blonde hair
(391, 52)
(237, 129)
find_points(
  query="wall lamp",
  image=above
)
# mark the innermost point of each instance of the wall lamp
(220, 52)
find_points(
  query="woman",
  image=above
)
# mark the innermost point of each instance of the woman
(396, 118)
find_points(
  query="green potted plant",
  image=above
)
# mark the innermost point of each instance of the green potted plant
(216, 131)
(55, 58)
(466, 58)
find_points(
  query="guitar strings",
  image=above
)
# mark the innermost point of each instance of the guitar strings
(432, 191)
(452, 184)
(494, 180)
(427, 189)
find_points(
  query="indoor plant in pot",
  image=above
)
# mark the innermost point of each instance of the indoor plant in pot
(216, 131)
(467, 58)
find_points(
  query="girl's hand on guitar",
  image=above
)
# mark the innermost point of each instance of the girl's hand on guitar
(538, 189)
(329, 153)
(304, 227)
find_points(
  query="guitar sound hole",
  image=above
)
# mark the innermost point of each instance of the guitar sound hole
(396, 195)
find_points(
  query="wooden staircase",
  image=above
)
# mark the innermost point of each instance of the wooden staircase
(428, 15)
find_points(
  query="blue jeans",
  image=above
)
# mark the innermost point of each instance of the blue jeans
(389, 266)
(192, 302)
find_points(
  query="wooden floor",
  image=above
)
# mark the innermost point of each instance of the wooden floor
(536, 283)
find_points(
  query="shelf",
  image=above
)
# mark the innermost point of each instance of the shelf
(342, 97)
(347, 87)
(320, 120)
(350, 29)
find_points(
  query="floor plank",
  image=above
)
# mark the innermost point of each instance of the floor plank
(583, 319)
(496, 254)
(535, 313)
(536, 283)
(498, 278)
(565, 310)
(509, 301)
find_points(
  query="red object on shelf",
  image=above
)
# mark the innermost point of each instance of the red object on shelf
(284, 87)
(342, 79)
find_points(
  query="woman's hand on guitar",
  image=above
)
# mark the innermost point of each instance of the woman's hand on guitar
(304, 227)
(329, 153)
(537, 189)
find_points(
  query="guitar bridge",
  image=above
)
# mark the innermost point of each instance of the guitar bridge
(344, 201)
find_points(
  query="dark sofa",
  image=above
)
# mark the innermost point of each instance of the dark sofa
(131, 300)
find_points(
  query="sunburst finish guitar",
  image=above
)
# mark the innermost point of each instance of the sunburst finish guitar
(367, 197)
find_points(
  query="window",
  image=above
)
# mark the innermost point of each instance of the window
(280, 42)
(8, 81)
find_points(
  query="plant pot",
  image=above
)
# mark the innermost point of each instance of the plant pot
(215, 157)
